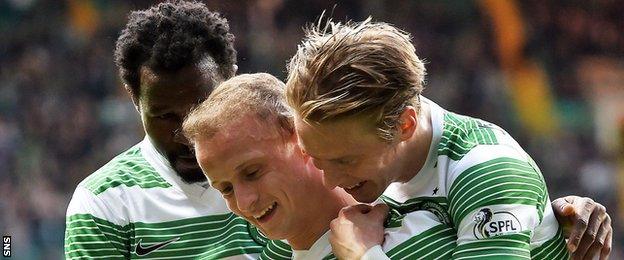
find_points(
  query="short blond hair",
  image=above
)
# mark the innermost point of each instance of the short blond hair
(260, 94)
(342, 70)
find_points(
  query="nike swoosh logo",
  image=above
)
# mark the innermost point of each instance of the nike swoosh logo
(141, 251)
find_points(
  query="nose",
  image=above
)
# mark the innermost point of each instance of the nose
(318, 164)
(331, 180)
(179, 137)
(246, 198)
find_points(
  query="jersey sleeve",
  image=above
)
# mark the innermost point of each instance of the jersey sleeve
(93, 230)
(497, 198)
(418, 235)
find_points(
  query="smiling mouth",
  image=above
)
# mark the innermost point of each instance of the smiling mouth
(354, 186)
(264, 215)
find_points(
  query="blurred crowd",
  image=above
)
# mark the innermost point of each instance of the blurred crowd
(64, 113)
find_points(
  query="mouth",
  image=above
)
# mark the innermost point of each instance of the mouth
(266, 214)
(354, 187)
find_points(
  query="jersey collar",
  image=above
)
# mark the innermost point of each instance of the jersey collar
(320, 249)
(163, 167)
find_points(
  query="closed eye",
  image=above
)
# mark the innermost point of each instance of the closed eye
(253, 174)
(343, 161)
(167, 116)
(226, 190)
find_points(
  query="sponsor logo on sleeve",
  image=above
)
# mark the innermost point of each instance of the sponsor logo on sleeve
(490, 224)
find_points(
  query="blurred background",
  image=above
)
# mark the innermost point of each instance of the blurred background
(549, 72)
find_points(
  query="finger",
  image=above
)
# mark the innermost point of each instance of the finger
(333, 225)
(590, 235)
(380, 211)
(599, 242)
(606, 250)
(583, 209)
(354, 209)
(562, 207)
(583, 246)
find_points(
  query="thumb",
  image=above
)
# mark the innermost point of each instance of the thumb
(380, 211)
(563, 207)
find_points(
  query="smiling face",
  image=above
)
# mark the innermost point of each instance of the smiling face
(351, 155)
(164, 101)
(263, 176)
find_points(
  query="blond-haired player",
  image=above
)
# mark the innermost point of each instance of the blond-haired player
(356, 90)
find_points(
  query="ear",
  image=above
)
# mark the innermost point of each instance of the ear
(306, 157)
(135, 99)
(408, 122)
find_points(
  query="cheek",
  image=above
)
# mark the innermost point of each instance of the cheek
(161, 130)
(232, 205)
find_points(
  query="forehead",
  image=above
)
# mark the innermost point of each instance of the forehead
(237, 142)
(187, 85)
(335, 138)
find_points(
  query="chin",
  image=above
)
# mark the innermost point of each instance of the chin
(369, 197)
(190, 175)
(273, 234)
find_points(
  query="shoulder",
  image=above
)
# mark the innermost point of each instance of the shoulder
(462, 133)
(127, 169)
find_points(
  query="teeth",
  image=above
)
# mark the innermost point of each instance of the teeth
(264, 212)
(354, 186)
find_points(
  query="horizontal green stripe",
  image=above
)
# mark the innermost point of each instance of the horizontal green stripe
(495, 182)
(462, 133)
(513, 246)
(129, 169)
(188, 222)
(430, 244)
(555, 248)
(277, 249)
(221, 249)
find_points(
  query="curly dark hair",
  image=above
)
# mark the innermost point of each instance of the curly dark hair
(170, 36)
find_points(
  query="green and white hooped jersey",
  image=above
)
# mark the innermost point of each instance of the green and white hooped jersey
(416, 235)
(136, 206)
(479, 180)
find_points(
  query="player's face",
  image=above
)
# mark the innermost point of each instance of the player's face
(263, 176)
(164, 101)
(351, 155)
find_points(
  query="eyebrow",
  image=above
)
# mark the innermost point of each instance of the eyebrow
(157, 109)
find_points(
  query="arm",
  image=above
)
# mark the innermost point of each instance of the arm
(88, 234)
(499, 206)
(586, 224)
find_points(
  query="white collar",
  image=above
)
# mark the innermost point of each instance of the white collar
(163, 167)
(320, 249)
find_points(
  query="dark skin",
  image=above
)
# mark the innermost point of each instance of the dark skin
(164, 100)
(586, 224)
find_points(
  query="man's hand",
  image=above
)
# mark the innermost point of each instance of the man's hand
(587, 226)
(356, 229)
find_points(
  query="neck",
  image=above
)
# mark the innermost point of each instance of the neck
(416, 149)
(326, 209)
